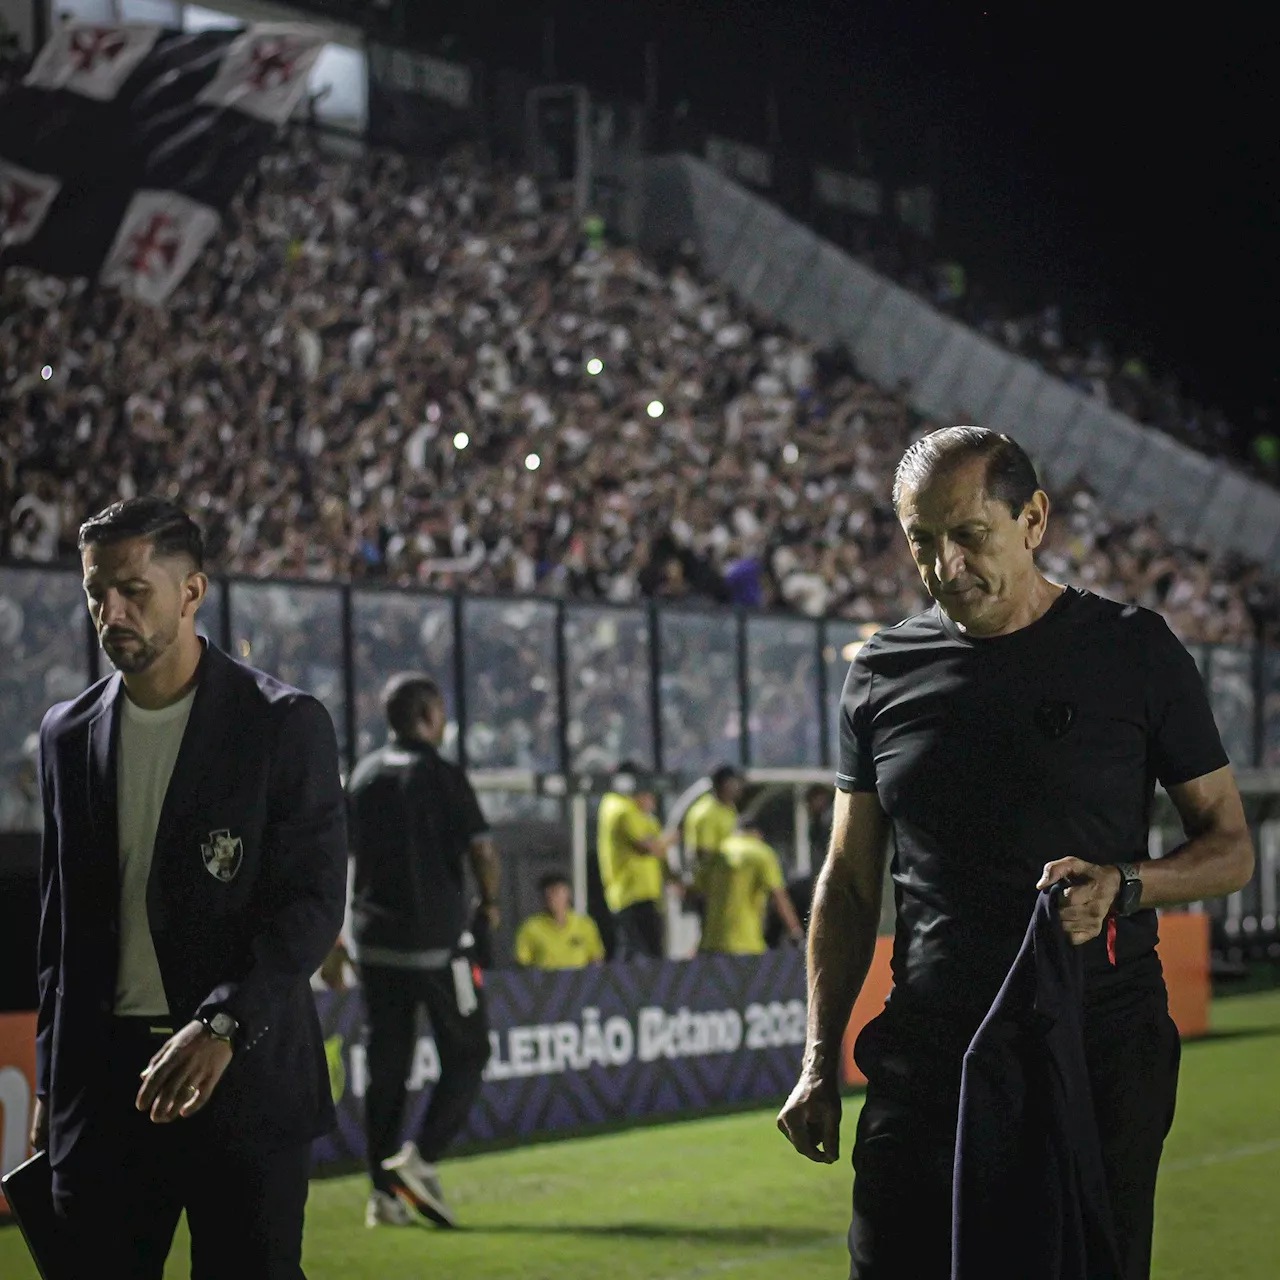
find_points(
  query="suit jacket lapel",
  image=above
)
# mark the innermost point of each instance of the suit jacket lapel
(103, 737)
(205, 730)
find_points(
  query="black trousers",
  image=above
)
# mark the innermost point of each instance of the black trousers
(127, 1180)
(904, 1151)
(391, 999)
(640, 931)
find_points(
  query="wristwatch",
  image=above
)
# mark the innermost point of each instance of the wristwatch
(222, 1026)
(1129, 898)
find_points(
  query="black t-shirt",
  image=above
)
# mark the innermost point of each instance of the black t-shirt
(412, 816)
(992, 757)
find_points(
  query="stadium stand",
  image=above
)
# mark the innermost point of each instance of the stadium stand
(1047, 335)
(361, 318)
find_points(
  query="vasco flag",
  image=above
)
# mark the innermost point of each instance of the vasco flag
(93, 61)
(25, 198)
(159, 238)
(124, 144)
(263, 69)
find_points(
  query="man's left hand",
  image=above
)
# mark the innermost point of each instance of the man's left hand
(182, 1076)
(1089, 896)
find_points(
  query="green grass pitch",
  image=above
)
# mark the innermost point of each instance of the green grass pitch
(725, 1198)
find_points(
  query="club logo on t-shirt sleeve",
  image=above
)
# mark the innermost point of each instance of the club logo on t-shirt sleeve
(1054, 719)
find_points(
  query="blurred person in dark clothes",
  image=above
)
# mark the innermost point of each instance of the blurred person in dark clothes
(415, 826)
(818, 800)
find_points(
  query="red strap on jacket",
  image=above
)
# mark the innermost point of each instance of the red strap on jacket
(1111, 940)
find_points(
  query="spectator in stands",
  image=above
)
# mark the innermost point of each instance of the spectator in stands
(632, 849)
(1083, 361)
(558, 937)
(738, 881)
(350, 381)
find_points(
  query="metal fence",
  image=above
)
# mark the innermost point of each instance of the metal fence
(538, 689)
(538, 684)
(531, 683)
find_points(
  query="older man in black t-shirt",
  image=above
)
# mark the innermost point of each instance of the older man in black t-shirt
(1008, 738)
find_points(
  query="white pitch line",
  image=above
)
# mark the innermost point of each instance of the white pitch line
(1222, 1157)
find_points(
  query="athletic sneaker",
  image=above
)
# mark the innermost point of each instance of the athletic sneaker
(417, 1182)
(384, 1210)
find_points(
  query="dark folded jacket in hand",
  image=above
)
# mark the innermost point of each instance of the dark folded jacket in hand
(1030, 1194)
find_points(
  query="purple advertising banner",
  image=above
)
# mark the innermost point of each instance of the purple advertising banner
(597, 1046)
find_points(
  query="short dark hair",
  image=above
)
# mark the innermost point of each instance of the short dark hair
(634, 778)
(164, 524)
(405, 697)
(1010, 475)
(546, 881)
(725, 773)
(641, 779)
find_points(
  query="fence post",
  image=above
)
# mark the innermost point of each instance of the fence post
(459, 678)
(579, 846)
(349, 676)
(824, 693)
(655, 685)
(562, 690)
(224, 615)
(1259, 703)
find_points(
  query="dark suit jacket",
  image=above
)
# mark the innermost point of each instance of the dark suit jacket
(1030, 1192)
(256, 780)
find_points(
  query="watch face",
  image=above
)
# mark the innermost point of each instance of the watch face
(1130, 896)
(222, 1024)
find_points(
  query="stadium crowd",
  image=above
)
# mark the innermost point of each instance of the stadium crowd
(429, 376)
(1045, 334)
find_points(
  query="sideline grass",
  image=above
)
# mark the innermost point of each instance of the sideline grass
(724, 1198)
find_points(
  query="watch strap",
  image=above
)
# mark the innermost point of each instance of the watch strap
(1129, 897)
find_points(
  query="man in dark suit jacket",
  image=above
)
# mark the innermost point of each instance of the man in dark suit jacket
(192, 878)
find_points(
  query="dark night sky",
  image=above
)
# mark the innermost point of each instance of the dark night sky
(1126, 168)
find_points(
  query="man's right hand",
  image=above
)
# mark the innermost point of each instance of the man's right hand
(811, 1118)
(40, 1126)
